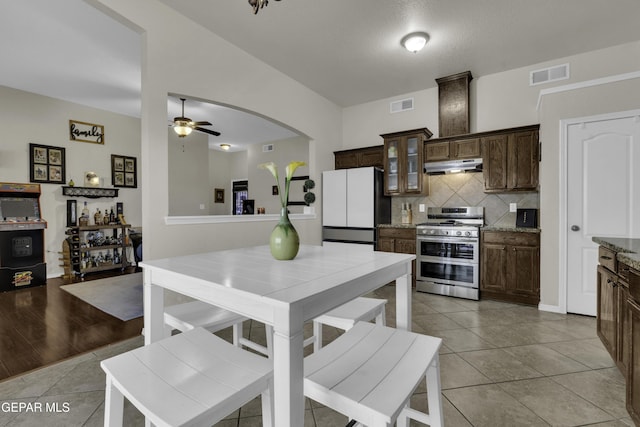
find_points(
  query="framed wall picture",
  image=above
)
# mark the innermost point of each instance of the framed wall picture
(46, 164)
(124, 171)
(219, 195)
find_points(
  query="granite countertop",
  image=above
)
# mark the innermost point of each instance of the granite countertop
(397, 225)
(628, 249)
(487, 228)
(512, 229)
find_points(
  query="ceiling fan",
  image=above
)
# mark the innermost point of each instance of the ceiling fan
(183, 126)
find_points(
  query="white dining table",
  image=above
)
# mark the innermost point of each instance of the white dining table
(284, 294)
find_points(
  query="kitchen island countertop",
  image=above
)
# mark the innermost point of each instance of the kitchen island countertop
(628, 249)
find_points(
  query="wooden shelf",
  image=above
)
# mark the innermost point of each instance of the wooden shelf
(78, 237)
(89, 192)
(97, 248)
(100, 227)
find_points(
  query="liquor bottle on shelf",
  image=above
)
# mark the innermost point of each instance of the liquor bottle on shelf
(84, 217)
(97, 217)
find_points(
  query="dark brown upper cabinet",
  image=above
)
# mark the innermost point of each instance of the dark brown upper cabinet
(510, 160)
(452, 149)
(453, 104)
(403, 162)
(360, 158)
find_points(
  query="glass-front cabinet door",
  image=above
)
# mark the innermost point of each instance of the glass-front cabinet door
(403, 158)
(392, 182)
(413, 181)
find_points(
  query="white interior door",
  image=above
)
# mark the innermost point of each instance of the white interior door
(603, 198)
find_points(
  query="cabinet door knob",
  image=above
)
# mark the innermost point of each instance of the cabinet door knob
(575, 228)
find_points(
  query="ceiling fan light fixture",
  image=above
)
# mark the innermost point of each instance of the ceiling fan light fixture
(414, 42)
(225, 147)
(182, 128)
(256, 5)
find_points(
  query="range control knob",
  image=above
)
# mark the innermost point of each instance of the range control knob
(432, 231)
(458, 233)
(467, 233)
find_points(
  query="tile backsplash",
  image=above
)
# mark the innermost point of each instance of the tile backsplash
(466, 189)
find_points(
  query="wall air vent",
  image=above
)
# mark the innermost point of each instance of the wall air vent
(267, 148)
(402, 105)
(547, 75)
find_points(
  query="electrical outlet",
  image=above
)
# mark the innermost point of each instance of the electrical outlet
(421, 207)
(202, 206)
(513, 207)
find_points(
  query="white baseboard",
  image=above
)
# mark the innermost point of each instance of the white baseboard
(551, 308)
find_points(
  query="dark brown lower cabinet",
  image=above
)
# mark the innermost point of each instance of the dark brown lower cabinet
(633, 367)
(607, 311)
(624, 323)
(618, 321)
(510, 269)
(399, 240)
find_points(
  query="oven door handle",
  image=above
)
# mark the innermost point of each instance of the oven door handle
(446, 239)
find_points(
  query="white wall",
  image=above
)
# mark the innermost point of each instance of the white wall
(220, 164)
(29, 118)
(188, 174)
(225, 75)
(261, 181)
(620, 96)
(498, 101)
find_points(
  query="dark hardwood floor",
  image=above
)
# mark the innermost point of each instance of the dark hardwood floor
(43, 325)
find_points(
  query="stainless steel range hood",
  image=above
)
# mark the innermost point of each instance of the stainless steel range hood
(453, 166)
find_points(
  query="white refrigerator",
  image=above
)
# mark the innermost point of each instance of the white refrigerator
(353, 204)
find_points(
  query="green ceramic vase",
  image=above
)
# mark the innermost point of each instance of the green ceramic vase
(284, 241)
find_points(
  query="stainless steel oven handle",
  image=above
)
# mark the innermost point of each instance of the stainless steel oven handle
(447, 240)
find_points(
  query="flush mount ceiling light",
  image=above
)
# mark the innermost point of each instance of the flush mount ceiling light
(414, 42)
(225, 147)
(258, 4)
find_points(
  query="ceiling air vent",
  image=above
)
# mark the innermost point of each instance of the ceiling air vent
(402, 105)
(547, 75)
(267, 148)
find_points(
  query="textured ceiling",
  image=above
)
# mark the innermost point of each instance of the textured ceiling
(346, 50)
(349, 50)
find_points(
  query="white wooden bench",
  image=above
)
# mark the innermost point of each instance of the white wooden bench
(194, 378)
(370, 372)
(194, 314)
(190, 315)
(346, 316)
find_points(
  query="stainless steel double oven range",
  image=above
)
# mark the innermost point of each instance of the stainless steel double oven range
(448, 252)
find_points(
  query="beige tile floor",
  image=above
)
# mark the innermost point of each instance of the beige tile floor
(501, 365)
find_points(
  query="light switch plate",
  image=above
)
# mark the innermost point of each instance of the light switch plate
(513, 207)
(421, 207)
(201, 205)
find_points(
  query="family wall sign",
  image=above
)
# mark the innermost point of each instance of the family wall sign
(86, 132)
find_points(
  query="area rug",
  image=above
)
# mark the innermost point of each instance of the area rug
(119, 296)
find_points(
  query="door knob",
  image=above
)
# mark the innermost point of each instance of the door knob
(575, 228)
